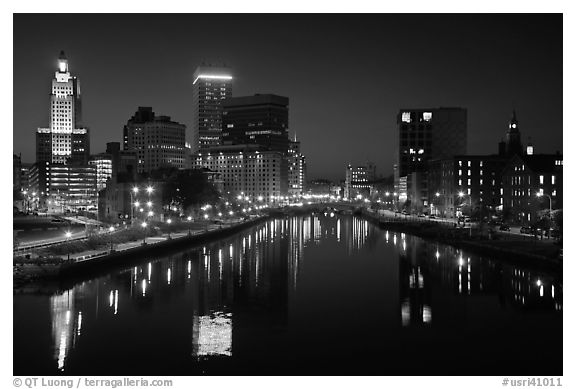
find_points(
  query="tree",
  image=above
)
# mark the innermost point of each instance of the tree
(557, 219)
(187, 188)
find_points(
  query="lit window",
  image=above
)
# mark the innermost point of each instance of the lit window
(541, 180)
(406, 117)
(469, 191)
(469, 163)
(554, 192)
(481, 181)
(460, 163)
(459, 172)
(553, 180)
(469, 182)
(427, 116)
(469, 172)
(459, 182)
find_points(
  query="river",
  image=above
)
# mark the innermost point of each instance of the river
(312, 295)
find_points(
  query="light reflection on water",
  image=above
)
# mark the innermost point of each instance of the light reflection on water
(227, 289)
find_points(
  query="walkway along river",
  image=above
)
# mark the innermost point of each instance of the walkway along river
(300, 295)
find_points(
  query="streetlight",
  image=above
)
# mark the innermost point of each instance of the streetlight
(189, 220)
(111, 229)
(540, 194)
(133, 192)
(432, 205)
(461, 195)
(68, 235)
(144, 225)
(169, 221)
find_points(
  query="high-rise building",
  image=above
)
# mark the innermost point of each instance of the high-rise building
(157, 140)
(65, 141)
(426, 134)
(296, 169)
(61, 174)
(261, 119)
(210, 86)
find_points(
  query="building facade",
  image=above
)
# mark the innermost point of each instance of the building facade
(426, 134)
(296, 169)
(248, 172)
(65, 141)
(359, 180)
(103, 164)
(261, 120)
(532, 184)
(157, 141)
(68, 188)
(124, 163)
(25, 175)
(210, 86)
(456, 182)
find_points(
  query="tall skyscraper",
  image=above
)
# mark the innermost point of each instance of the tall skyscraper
(157, 140)
(61, 172)
(296, 169)
(210, 86)
(65, 141)
(261, 119)
(426, 134)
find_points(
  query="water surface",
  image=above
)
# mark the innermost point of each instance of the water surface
(303, 295)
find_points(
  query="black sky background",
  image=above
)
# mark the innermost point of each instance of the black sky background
(346, 75)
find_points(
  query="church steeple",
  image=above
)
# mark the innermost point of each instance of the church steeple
(513, 141)
(513, 125)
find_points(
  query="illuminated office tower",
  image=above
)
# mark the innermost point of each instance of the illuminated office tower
(261, 119)
(210, 86)
(424, 135)
(65, 141)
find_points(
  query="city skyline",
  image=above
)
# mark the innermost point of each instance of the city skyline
(364, 66)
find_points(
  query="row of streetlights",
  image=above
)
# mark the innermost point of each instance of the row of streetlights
(149, 189)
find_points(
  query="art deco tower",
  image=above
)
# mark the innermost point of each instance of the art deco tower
(65, 141)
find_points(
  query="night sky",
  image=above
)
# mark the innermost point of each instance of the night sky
(346, 75)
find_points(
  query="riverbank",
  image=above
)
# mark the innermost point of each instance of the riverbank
(57, 268)
(519, 250)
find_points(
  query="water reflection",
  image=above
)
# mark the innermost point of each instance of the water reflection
(231, 293)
